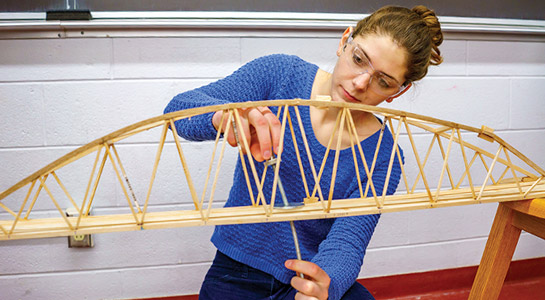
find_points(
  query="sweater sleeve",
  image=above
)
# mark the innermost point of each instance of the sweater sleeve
(341, 254)
(251, 82)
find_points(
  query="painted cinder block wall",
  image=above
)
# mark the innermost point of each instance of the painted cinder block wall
(59, 93)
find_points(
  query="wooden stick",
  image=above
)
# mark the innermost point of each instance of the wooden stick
(512, 170)
(122, 185)
(309, 156)
(532, 187)
(279, 156)
(4, 231)
(468, 169)
(185, 167)
(42, 183)
(64, 189)
(364, 160)
(353, 142)
(35, 198)
(445, 158)
(445, 165)
(260, 194)
(80, 214)
(328, 148)
(22, 208)
(430, 147)
(126, 178)
(218, 167)
(377, 150)
(11, 212)
(420, 167)
(504, 172)
(461, 142)
(391, 162)
(298, 155)
(486, 167)
(246, 175)
(97, 179)
(155, 166)
(216, 141)
(336, 160)
(489, 172)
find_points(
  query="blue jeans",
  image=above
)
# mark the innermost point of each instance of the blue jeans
(228, 279)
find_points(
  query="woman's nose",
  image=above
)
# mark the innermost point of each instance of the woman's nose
(362, 81)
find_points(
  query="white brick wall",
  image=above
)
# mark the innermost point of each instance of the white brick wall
(58, 94)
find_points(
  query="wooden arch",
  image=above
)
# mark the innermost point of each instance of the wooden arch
(448, 170)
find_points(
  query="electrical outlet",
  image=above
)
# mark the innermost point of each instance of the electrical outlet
(78, 240)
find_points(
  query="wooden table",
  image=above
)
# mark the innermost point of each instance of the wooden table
(511, 218)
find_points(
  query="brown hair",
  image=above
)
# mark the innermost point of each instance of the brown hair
(417, 30)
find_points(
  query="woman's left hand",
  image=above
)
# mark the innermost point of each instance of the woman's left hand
(315, 285)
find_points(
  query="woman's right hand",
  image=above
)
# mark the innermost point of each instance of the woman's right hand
(261, 129)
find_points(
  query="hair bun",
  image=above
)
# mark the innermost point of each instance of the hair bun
(436, 35)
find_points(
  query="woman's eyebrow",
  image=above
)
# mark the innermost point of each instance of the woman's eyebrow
(369, 59)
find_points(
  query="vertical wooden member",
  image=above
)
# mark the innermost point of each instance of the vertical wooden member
(497, 256)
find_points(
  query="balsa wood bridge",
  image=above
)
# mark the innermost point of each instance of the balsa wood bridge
(447, 164)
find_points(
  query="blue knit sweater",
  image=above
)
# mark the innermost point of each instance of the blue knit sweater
(336, 245)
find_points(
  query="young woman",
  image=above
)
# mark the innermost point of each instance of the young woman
(377, 61)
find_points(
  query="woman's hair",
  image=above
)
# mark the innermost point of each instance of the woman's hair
(417, 30)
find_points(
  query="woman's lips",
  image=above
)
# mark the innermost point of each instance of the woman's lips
(350, 97)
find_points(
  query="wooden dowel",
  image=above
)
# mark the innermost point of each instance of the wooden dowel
(122, 185)
(246, 174)
(428, 152)
(420, 167)
(309, 156)
(260, 194)
(22, 207)
(212, 157)
(533, 186)
(298, 155)
(467, 169)
(64, 190)
(391, 162)
(364, 160)
(353, 142)
(155, 166)
(324, 159)
(489, 173)
(445, 157)
(279, 156)
(487, 169)
(218, 167)
(87, 189)
(4, 231)
(512, 170)
(445, 165)
(336, 159)
(126, 178)
(185, 167)
(11, 212)
(467, 166)
(35, 198)
(375, 156)
(42, 183)
(97, 179)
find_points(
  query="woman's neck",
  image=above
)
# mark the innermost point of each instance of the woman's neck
(324, 120)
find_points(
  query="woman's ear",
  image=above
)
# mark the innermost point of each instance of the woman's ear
(343, 40)
(390, 99)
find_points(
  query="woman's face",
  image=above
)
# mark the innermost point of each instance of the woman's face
(368, 69)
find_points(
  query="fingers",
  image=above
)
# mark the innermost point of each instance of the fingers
(261, 128)
(315, 285)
